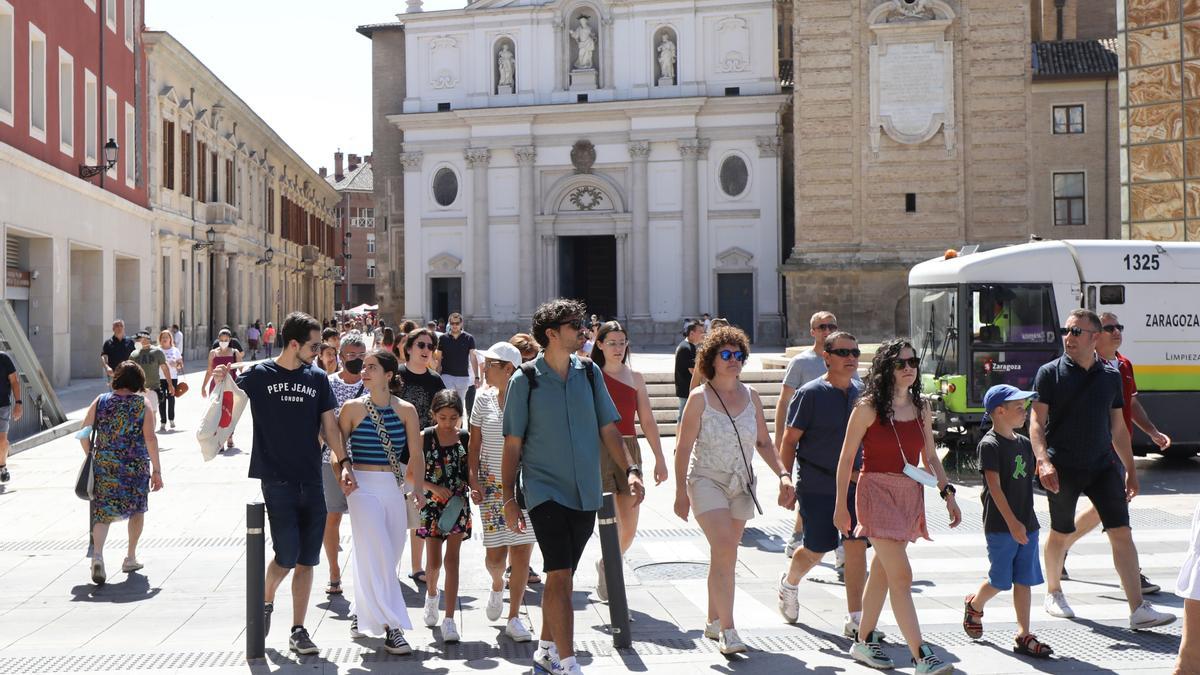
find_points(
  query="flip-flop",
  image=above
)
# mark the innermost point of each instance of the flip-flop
(334, 587)
(418, 577)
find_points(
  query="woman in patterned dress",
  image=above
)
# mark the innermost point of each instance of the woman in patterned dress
(125, 465)
(445, 449)
(485, 451)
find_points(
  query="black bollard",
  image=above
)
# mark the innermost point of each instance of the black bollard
(255, 580)
(614, 574)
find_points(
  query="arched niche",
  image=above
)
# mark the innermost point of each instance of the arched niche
(586, 59)
(504, 66)
(664, 57)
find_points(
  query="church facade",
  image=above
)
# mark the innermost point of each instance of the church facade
(627, 154)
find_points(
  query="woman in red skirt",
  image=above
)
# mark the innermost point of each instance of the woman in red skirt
(894, 427)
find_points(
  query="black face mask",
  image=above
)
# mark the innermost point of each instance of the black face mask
(353, 366)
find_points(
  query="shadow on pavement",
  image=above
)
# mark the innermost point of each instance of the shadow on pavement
(1054, 664)
(135, 588)
(764, 662)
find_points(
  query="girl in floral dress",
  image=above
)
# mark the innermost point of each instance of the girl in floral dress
(125, 466)
(446, 486)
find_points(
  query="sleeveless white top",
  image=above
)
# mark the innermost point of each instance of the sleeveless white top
(717, 444)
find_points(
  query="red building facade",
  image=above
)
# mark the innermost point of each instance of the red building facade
(72, 75)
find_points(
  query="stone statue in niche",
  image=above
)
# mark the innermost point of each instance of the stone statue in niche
(506, 64)
(666, 62)
(586, 42)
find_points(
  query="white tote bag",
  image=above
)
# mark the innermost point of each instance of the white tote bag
(225, 406)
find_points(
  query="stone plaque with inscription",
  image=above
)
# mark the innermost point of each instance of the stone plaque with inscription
(912, 74)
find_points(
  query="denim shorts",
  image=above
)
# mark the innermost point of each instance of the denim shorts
(1012, 562)
(5, 418)
(820, 534)
(296, 515)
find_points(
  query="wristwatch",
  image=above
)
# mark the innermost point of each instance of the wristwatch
(947, 491)
(633, 468)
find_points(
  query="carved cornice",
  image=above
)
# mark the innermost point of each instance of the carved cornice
(477, 157)
(693, 148)
(768, 146)
(639, 149)
(412, 160)
(526, 154)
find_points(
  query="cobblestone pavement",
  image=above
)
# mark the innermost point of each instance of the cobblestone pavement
(185, 611)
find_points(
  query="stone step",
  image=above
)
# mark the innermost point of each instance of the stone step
(748, 376)
(763, 388)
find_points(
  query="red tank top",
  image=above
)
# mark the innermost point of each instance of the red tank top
(881, 454)
(223, 360)
(625, 398)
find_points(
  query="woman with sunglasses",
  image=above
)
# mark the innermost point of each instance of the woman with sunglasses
(894, 427)
(723, 423)
(419, 385)
(628, 391)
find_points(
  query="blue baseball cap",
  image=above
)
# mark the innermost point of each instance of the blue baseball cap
(1003, 393)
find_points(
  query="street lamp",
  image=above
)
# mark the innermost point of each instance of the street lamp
(268, 255)
(110, 160)
(346, 256)
(210, 238)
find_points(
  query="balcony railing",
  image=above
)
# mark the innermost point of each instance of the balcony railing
(363, 222)
(216, 213)
(309, 254)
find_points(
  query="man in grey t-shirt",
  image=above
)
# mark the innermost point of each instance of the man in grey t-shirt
(805, 367)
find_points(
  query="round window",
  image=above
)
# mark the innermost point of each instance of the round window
(445, 186)
(734, 175)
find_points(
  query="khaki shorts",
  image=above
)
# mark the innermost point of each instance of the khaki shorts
(612, 477)
(710, 491)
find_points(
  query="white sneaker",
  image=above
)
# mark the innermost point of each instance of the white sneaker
(1056, 606)
(545, 661)
(730, 643)
(569, 668)
(131, 565)
(712, 630)
(431, 610)
(449, 632)
(601, 586)
(1146, 616)
(172, 424)
(789, 600)
(495, 605)
(517, 631)
(850, 629)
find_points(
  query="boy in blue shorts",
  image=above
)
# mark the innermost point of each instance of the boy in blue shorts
(1009, 522)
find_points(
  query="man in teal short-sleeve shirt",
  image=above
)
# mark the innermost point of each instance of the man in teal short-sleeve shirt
(553, 431)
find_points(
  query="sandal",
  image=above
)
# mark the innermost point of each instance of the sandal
(534, 578)
(972, 619)
(418, 577)
(1029, 645)
(334, 587)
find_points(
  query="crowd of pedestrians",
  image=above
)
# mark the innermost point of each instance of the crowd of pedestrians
(404, 432)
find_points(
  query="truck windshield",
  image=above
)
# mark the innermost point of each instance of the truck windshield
(1014, 330)
(934, 312)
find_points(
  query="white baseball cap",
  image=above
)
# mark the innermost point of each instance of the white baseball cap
(503, 351)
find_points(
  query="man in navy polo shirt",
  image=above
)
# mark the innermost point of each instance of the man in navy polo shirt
(816, 419)
(1076, 425)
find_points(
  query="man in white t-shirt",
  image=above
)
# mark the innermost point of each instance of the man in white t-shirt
(804, 367)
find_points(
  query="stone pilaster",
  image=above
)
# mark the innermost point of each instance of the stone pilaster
(692, 150)
(639, 152)
(527, 297)
(478, 160)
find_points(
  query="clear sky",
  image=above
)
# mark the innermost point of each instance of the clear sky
(298, 63)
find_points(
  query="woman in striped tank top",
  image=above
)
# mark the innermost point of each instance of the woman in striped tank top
(378, 508)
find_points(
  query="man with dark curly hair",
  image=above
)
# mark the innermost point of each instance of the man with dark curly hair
(555, 417)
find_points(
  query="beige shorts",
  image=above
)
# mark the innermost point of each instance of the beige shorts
(710, 491)
(612, 477)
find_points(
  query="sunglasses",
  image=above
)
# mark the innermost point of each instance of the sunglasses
(1113, 327)
(614, 343)
(493, 363)
(826, 326)
(577, 324)
(423, 345)
(455, 323)
(844, 353)
(729, 354)
(1075, 330)
(914, 363)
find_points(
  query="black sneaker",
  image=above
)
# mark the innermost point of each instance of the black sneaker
(1149, 587)
(4, 475)
(268, 607)
(394, 643)
(300, 642)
